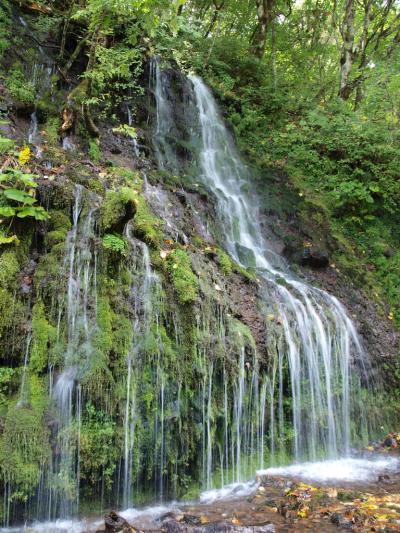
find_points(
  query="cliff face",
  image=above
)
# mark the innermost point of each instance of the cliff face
(133, 346)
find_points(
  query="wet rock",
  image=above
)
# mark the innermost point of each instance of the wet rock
(191, 520)
(115, 523)
(170, 515)
(390, 441)
(314, 257)
(173, 526)
(27, 277)
(341, 521)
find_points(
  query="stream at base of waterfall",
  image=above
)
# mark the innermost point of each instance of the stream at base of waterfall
(317, 496)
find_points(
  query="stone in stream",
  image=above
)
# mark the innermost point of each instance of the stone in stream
(115, 523)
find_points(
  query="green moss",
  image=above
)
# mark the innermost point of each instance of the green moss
(122, 336)
(5, 27)
(20, 89)
(94, 151)
(6, 145)
(241, 334)
(60, 221)
(115, 244)
(225, 262)
(246, 273)
(47, 274)
(116, 206)
(184, 280)
(131, 178)
(24, 443)
(97, 373)
(43, 334)
(98, 448)
(52, 130)
(6, 383)
(55, 237)
(104, 337)
(9, 268)
(168, 179)
(147, 225)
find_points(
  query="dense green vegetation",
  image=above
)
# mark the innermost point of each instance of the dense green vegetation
(311, 91)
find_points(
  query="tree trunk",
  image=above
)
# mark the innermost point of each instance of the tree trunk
(217, 10)
(347, 53)
(89, 122)
(65, 32)
(265, 14)
(273, 54)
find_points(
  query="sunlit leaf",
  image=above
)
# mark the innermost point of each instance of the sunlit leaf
(19, 196)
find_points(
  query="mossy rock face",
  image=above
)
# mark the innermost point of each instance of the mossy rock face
(9, 268)
(117, 208)
(43, 335)
(146, 224)
(9, 305)
(183, 278)
(23, 92)
(24, 443)
(225, 262)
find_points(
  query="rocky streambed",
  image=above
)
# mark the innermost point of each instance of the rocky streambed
(360, 494)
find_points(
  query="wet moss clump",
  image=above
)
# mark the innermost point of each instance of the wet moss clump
(43, 336)
(147, 225)
(24, 443)
(9, 268)
(118, 207)
(225, 262)
(183, 278)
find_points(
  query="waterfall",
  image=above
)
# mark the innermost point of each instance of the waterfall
(321, 342)
(319, 357)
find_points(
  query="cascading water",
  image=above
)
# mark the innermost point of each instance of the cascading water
(80, 311)
(145, 287)
(317, 341)
(320, 339)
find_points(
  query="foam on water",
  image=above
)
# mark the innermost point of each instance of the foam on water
(56, 526)
(340, 470)
(229, 492)
(146, 515)
(151, 513)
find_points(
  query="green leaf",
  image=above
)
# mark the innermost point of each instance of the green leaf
(41, 214)
(7, 211)
(27, 179)
(38, 213)
(8, 240)
(19, 196)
